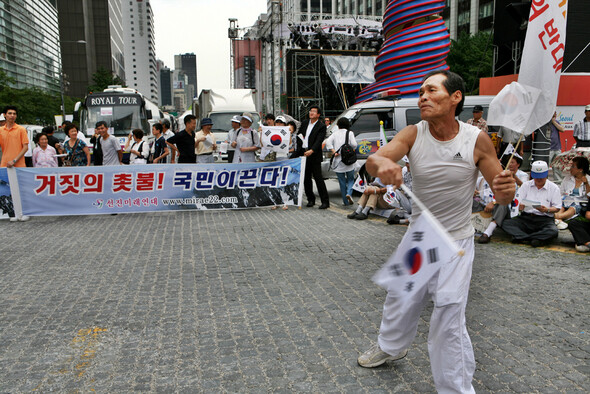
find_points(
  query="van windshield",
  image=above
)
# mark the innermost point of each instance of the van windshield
(222, 120)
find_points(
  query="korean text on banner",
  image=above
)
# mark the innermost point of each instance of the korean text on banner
(530, 103)
(149, 188)
(419, 256)
(542, 56)
(276, 139)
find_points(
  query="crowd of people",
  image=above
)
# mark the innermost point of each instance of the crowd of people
(558, 208)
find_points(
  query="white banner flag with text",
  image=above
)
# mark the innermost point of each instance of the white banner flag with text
(528, 104)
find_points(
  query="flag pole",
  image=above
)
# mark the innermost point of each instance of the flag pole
(435, 221)
(513, 152)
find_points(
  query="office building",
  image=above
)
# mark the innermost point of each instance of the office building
(91, 37)
(29, 43)
(166, 87)
(140, 53)
(187, 63)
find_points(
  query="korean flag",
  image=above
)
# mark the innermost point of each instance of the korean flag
(276, 138)
(425, 247)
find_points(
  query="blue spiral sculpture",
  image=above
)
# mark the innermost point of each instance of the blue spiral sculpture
(417, 42)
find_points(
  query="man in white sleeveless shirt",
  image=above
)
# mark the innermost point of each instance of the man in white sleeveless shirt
(445, 156)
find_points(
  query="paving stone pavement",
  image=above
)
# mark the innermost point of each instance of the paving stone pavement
(262, 301)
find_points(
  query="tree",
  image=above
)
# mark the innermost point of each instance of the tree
(35, 106)
(471, 57)
(102, 78)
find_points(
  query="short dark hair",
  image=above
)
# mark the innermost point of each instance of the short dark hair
(452, 83)
(69, 126)
(37, 137)
(343, 123)
(101, 123)
(317, 108)
(292, 123)
(48, 130)
(166, 122)
(269, 116)
(10, 107)
(137, 133)
(582, 163)
(189, 118)
(158, 127)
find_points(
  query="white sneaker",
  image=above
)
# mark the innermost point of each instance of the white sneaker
(13, 219)
(561, 225)
(583, 248)
(24, 218)
(375, 357)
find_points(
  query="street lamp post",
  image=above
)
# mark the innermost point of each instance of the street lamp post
(61, 77)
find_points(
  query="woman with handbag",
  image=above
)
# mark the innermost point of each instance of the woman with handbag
(76, 149)
(345, 172)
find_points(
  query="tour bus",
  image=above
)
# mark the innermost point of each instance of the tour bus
(123, 109)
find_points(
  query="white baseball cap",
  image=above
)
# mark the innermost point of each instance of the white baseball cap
(281, 118)
(236, 118)
(539, 170)
(247, 116)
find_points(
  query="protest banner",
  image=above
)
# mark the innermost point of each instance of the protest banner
(6, 205)
(528, 104)
(159, 187)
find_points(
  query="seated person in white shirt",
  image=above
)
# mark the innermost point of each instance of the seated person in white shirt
(502, 212)
(536, 224)
(574, 189)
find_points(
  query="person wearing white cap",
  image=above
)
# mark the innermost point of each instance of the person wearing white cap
(582, 130)
(502, 212)
(247, 142)
(540, 199)
(445, 156)
(232, 134)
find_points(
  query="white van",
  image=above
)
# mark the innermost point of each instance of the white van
(395, 114)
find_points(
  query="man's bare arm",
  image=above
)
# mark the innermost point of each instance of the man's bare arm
(383, 163)
(501, 181)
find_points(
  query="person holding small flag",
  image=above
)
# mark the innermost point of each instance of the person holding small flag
(445, 155)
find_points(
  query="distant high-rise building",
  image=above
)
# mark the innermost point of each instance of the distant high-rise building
(91, 36)
(166, 96)
(29, 43)
(188, 63)
(140, 53)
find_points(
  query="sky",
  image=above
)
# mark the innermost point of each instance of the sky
(200, 26)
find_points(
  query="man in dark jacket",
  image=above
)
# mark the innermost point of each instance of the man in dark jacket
(312, 133)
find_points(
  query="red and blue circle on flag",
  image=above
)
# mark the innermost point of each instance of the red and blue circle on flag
(276, 140)
(413, 260)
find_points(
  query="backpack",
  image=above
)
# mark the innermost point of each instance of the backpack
(347, 152)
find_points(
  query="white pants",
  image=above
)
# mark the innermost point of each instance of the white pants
(449, 346)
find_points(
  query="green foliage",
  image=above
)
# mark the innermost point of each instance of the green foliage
(35, 106)
(102, 78)
(471, 57)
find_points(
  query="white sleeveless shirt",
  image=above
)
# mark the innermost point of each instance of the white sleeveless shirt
(444, 175)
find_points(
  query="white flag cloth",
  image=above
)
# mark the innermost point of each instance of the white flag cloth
(514, 206)
(275, 138)
(528, 104)
(508, 151)
(382, 137)
(359, 184)
(425, 247)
